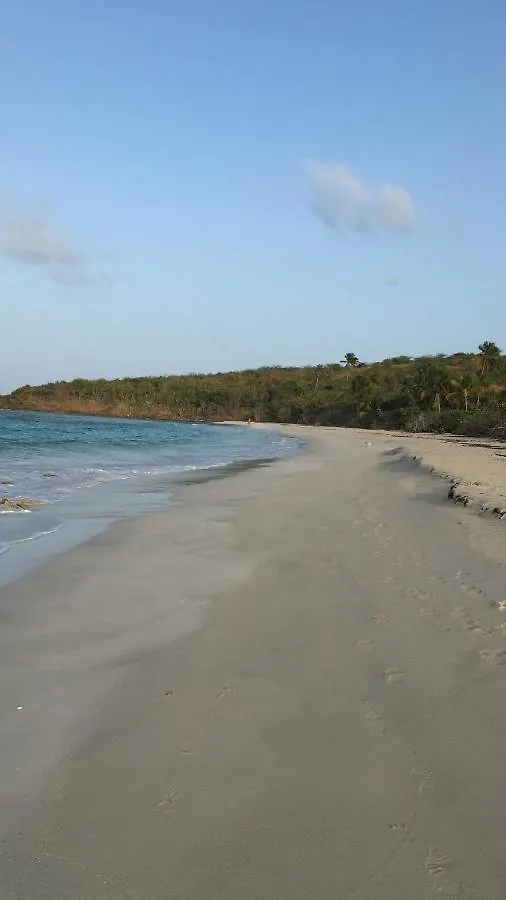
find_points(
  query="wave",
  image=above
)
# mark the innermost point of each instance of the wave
(64, 482)
(54, 459)
(7, 545)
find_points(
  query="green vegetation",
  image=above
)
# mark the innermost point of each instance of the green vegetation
(464, 394)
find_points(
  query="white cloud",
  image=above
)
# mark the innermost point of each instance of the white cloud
(346, 204)
(33, 241)
(36, 243)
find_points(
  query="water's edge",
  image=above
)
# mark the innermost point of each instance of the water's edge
(110, 504)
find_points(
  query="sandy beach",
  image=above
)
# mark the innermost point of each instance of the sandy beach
(290, 686)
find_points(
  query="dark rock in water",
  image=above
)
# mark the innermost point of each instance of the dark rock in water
(5, 503)
(19, 505)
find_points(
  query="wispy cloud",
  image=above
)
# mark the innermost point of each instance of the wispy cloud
(36, 243)
(346, 204)
(73, 276)
(33, 240)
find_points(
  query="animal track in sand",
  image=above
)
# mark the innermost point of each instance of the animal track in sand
(393, 676)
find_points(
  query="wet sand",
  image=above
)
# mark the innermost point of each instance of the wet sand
(292, 686)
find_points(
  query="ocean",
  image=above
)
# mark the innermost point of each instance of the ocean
(77, 474)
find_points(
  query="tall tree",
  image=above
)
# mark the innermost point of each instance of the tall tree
(466, 382)
(351, 360)
(490, 356)
(430, 384)
(364, 390)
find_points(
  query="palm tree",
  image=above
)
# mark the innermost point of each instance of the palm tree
(351, 360)
(490, 355)
(431, 384)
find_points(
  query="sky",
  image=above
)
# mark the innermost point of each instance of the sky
(224, 184)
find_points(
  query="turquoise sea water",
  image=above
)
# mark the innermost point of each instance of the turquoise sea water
(83, 467)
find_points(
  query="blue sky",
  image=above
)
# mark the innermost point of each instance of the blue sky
(204, 185)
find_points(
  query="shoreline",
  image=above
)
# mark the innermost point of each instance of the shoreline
(57, 526)
(207, 492)
(232, 697)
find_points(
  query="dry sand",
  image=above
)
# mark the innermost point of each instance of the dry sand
(476, 468)
(290, 687)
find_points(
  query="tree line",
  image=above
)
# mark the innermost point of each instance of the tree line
(464, 393)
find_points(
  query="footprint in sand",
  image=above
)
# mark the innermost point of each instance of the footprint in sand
(426, 778)
(471, 625)
(460, 612)
(466, 620)
(393, 676)
(494, 657)
(437, 865)
(471, 589)
(226, 691)
(380, 620)
(373, 720)
(171, 798)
